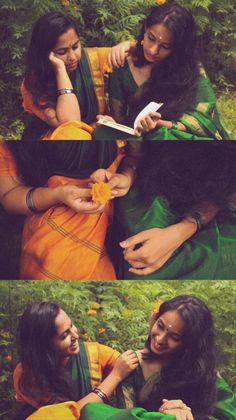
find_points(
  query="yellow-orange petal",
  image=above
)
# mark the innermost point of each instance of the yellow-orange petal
(101, 192)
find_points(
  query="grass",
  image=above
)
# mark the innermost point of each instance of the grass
(227, 108)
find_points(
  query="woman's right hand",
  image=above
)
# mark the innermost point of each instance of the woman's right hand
(147, 123)
(118, 53)
(125, 364)
(78, 199)
(57, 63)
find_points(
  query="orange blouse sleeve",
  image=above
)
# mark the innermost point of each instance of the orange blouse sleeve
(107, 358)
(7, 161)
(28, 103)
(21, 398)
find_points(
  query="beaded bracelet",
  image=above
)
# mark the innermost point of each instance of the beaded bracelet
(29, 201)
(198, 219)
(101, 395)
(175, 125)
(64, 91)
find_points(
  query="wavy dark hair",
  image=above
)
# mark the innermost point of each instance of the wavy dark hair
(190, 374)
(174, 80)
(39, 75)
(188, 174)
(42, 370)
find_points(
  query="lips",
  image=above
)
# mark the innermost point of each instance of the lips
(74, 64)
(74, 347)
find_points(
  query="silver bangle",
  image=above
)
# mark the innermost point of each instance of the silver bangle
(64, 91)
(29, 201)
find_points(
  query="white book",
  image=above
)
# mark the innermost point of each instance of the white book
(151, 107)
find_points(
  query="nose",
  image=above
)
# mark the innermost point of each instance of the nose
(163, 337)
(71, 55)
(74, 333)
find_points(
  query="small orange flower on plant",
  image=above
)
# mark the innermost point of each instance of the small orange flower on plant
(101, 192)
(8, 358)
(101, 330)
(160, 2)
(95, 306)
(91, 312)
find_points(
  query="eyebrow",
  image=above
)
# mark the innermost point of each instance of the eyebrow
(66, 48)
(172, 332)
(68, 329)
(154, 36)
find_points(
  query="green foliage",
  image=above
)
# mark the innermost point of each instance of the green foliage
(104, 22)
(119, 317)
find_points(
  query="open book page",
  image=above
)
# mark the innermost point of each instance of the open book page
(151, 107)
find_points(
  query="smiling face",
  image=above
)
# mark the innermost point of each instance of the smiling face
(166, 334)
(66, 339)
(157, 43)
(68, 49)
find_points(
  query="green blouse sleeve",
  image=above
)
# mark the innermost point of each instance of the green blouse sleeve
(225, 407)
(117, 95)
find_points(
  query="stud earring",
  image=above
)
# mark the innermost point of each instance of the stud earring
(142, 42)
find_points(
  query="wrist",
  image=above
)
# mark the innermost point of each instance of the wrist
(188, 227)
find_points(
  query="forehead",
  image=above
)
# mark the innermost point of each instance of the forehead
(62, 322)
(174, 319)
(67, 39)
(160, 31)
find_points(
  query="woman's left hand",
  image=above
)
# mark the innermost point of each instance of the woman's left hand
(119, 183)
(172, 404)
(147, 123)
(118, 53)
(157, 246)
(176, 408)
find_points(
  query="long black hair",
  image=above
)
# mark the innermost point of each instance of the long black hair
(40, 78)
(43, 375)
(190, 374)
(174, 80)
(188, 174)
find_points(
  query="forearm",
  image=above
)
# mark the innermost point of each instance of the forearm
(188, 225)
(67, 107)
(108, 386)
(14, 201)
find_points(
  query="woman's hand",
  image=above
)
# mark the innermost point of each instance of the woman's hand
(147, 123)
(119, 183)
(125, 364)
(106, 117)
(118, 53)
(157, 246)
(57, 63)
(177, 408)
(78, 199)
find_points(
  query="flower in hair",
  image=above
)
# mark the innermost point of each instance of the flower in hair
(156, 307)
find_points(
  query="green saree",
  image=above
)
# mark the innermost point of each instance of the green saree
(203, 123)
(209, 254)
(128, 397)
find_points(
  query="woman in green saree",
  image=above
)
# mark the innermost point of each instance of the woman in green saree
(164, 68)
(176, 377)
(55, 367)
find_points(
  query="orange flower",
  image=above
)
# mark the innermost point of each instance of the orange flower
(66, 2)
(160, 2)
(91, 312)
(156, 307)
(101, 330)
(101, 192)
(8, 358)
(107, 68)
(95, 306)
